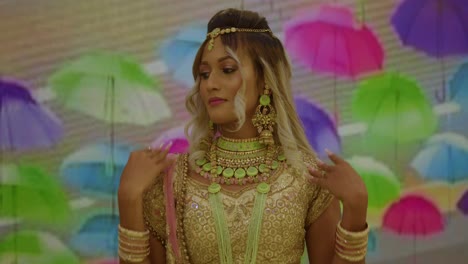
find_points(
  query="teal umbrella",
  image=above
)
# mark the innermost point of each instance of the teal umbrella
(32, 196)
(111, 87)
(394, 108)
(35, 247)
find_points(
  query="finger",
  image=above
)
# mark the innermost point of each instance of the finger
(315, 172)
(163, 152)
(322, 182)
(333, 157)
(323, 166)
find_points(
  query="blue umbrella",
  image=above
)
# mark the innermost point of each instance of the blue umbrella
(444, 158)
(458, 87)
(97, 237)
(24, 123)
(178, 53)
(320, 129)
(372, 242)
(90, 170)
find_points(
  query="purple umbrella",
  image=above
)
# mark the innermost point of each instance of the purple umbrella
(438, 28)
(24, 123)
(319, 128)
(463, 203)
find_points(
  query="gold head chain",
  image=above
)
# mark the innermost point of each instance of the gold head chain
(218, 31)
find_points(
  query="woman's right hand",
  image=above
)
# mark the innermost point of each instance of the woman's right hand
(142, 168)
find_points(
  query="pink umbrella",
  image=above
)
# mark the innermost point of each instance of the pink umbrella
(413, 215)
(328, 40)
(180, 143)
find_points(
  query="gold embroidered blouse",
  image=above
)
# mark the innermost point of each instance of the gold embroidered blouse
(291, 206)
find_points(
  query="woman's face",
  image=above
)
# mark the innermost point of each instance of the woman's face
(220, 80)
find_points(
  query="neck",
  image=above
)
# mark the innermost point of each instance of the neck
(247, 130)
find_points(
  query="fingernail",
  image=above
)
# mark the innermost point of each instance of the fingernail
(161, 145)
(169, 144)
(328, 152)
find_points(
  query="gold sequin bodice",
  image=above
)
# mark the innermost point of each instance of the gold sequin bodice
(291, 206)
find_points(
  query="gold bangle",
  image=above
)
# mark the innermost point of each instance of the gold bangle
(132, 233)
(344, 243)
(134, 251)
(353, 235)
(351, 252)
(131, 243)
(131, 258)
(351, 258)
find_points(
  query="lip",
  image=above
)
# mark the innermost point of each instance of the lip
(216, 101)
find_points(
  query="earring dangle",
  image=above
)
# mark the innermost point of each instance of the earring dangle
(265, 118)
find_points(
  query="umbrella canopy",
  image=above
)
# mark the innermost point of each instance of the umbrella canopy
(178, 53)
(24, 123)
(444, 158)
(35, 247)
(97, 237)
(382, 185)
(435, 27)
(328, 40)
(457, 87)
(394, 107)
(110, 87)
(462, 204)
(413, 215)
(32, 195)
(372, 242)
(320, 129)
(180, 143)
(90, 171)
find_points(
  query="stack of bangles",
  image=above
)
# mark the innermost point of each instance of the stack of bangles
(351, 246)
(134, 246)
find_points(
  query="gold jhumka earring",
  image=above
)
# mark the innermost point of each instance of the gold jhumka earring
(264, 118)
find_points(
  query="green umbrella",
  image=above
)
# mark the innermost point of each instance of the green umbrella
(382, 185)
(394, 108)
(35, 247)
(110, 87)
(32, 196)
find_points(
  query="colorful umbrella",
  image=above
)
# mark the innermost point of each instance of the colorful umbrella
(180, 143)
(444, 158)
(462, 204)
(394, 108)
(35, 247)
(320, 129)
(24, 123)
(413, 215)
(178, 53)
(328, 40)
(438, 28)
(97, 237)
(90, 171)
(372, 242)
(457, 87)
(382, 185)
(32, 195)
(110, 87)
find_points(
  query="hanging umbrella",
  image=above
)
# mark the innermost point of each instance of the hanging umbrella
(90, 171)
(444, 158)
(328, 40)
(35, 247)
(178, 52)
(97, 237)
(462, 204)
(372, 242)
(414, 216)
(24, 123)
(457, 87)
(320, 129)
(436, 27)
(110, 87)
(175, 135)
(32, 195)
(394, 108)
(382, 185)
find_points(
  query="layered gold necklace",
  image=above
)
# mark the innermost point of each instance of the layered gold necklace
(239, 161)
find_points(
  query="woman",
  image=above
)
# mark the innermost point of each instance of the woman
(251, 189)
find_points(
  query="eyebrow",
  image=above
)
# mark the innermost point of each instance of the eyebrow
(219, 60)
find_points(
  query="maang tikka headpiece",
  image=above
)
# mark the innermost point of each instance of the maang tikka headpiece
(218, 31)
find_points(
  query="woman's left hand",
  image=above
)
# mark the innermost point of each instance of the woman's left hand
(341, 180)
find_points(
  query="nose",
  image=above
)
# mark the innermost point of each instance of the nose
(212, 81)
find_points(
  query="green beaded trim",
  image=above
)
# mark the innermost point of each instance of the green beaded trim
(247, 145)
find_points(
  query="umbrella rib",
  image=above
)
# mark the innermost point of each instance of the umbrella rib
(456, 11)
(371, 123)
(410, 28)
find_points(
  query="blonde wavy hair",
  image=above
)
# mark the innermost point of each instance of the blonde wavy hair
(273, 68)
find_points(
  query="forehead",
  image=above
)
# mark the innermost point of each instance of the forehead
(219, 51)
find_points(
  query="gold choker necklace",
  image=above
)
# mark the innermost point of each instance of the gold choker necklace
(239, 161)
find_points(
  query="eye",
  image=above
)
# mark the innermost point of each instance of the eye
(204, 75)
(229, 70)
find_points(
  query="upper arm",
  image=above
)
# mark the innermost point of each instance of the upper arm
(157, 251)
(320, 236)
